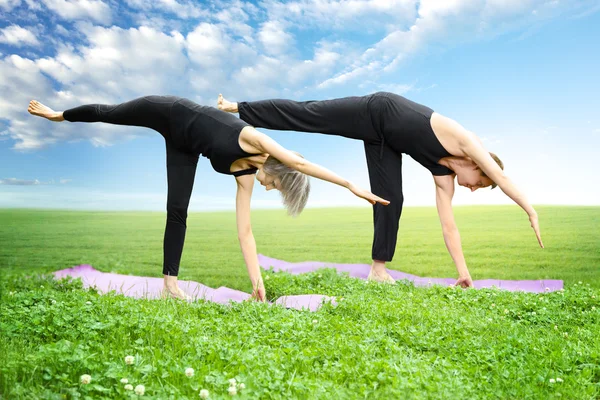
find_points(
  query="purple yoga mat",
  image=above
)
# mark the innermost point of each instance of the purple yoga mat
(362, 271)
(150, 288)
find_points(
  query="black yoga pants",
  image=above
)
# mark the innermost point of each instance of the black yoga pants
(360, 118)
(154, 112)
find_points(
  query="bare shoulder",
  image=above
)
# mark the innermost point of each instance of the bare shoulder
(250, 140)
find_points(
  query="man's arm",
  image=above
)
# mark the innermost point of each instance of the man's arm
(444, 188)
(245, 184)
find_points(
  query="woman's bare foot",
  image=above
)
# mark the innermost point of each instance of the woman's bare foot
(379, 274)
(225, 105)
(171, 289)
(37, 108)
(174, 293)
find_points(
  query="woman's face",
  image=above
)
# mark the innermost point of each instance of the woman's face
(471, 178)
(268, 181)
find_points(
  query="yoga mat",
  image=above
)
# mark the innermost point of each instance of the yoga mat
(362, 271)
(151, 288)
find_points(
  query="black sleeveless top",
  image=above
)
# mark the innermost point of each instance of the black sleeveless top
(210, 132)
(405, 127)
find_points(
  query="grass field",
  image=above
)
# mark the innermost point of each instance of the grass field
(497, 242)
(379, 342)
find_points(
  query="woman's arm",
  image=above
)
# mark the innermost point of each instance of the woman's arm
(264, 144)
(245, 184)
(444, 189)
(473, 149)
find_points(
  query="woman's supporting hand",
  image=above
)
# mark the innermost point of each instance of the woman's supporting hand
(365, 194)
(464, 281)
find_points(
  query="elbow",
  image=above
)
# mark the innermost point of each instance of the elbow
(244, 234)
(299, 165)
(449, 229)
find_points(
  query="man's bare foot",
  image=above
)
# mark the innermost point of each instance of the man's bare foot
(37, 108)
(225, 105)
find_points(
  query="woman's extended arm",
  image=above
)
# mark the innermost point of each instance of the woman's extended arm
(473, 149)
(264, 144)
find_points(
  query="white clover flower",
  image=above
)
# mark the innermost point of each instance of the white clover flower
(52, 301)
(320, 276)
(593, 308)
(267, 277)
(581, 283)
(565, 334)
(139, 390)
(204, 394)
(232, 382)
(552, 380)
(493, 305)
(489, 319)
(558, 380)
(506, 311)
(128, 387)
(533, 313)
(593, 297)
(124, 381)
(129, 360)
(85, 379)
(555, 327)
(89, 303)
(314, 321)
(232, 390)
(189, 372)
(561, 290)
(241, 386)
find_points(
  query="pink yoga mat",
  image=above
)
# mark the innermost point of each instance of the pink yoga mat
(150, 288)
(362, 271)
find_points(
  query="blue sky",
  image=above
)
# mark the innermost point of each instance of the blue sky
(520, 74)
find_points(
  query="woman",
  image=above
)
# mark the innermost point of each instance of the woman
(233, 147)
(390, 125)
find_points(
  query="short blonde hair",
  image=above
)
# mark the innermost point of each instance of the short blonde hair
(500, 164)
(294, 186)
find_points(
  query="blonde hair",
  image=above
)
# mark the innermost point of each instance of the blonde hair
(294, 186)
(500, 164)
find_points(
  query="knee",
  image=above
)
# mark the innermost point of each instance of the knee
(177, 213)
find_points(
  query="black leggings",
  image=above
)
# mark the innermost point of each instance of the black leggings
(355, 118)
(154, 112)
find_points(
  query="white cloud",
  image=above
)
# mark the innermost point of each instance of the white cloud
(184, 10)
(15, 35)
(19, 182)
(8, 5)
(95, 10)
(274, 38)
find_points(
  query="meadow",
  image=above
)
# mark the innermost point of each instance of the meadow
(380, 341)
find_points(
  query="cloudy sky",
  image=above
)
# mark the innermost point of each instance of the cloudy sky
(522, 74)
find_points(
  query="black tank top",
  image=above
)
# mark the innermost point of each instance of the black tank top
(405, 126)
(210, 132)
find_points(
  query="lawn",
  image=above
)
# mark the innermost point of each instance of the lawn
(380, 341)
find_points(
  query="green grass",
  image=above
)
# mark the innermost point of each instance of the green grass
(497, 242)
(379, 342)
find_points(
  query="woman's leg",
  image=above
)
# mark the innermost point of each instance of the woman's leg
(149, 111)
(385, 176)
(181, 170)
(349, 116)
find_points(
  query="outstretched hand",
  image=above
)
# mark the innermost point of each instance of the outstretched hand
(533, 218)
(464, 282)
(365, 194)
(259, 294)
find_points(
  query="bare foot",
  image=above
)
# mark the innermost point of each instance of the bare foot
(225, 105)
(381, 277)
(175, 293)
(37, 108)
